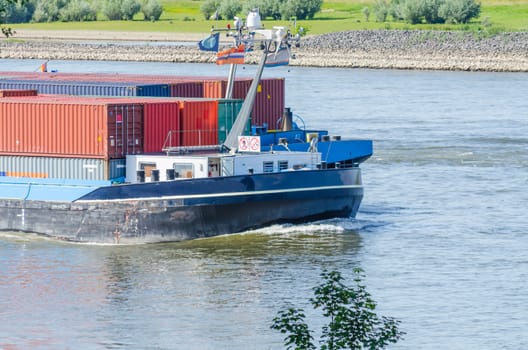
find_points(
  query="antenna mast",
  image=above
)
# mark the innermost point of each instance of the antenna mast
(253, 36)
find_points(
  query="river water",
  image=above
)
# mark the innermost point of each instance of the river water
(442, 233)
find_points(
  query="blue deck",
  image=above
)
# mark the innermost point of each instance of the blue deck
(63, 190)
(332, 151)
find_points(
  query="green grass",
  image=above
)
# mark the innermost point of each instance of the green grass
(164, 25)
(510, 17)
(337, 15)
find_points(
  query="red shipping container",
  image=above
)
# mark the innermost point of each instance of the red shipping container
(187, 89)
(70, 127)
(269, 102)
(162, 126)
(199, 122)
(160, 115)
(17, 93)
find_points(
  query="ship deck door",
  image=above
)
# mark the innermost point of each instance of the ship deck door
(213, 167)
(147, 168)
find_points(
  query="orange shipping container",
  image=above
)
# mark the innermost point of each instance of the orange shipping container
(70, 127)
(214, 88)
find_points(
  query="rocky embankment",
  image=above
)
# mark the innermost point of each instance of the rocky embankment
(395, 49)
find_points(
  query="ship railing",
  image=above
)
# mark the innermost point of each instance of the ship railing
(185, 141)
(191, 149)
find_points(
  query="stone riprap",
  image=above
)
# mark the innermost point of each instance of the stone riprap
(393, 49)
(416, 49)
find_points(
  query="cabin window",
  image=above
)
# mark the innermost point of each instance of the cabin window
(299, 166)
(183, 170)
(147, 167)
(283, 165)
(267, 167)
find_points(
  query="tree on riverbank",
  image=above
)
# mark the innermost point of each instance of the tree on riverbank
(77, 10)
(4, 5)
(276, 9)
(353, 324)
(427, 11)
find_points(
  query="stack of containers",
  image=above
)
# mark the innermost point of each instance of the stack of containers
(105, 84)
(65, 137)
(173, 122)
(268, 107)
(269, 101)
(188, 122)
(87, 138)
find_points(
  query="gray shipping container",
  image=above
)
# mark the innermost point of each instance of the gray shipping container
(63, 168)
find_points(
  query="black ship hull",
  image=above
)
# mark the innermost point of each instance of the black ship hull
(189, 209)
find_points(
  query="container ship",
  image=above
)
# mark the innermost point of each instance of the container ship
(137, 159)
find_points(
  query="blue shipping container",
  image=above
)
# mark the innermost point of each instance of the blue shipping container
(87, 88)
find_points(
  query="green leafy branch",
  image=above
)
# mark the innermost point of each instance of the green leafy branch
(353, 323)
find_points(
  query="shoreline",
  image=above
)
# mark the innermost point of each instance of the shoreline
(378, 49)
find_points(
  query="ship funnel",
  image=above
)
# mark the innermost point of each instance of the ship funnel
(253, 20)
(287, 119)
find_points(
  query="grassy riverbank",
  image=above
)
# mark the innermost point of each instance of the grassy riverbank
(340, 28)
(336, 15)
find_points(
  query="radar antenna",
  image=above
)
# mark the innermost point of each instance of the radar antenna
(253, 36)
